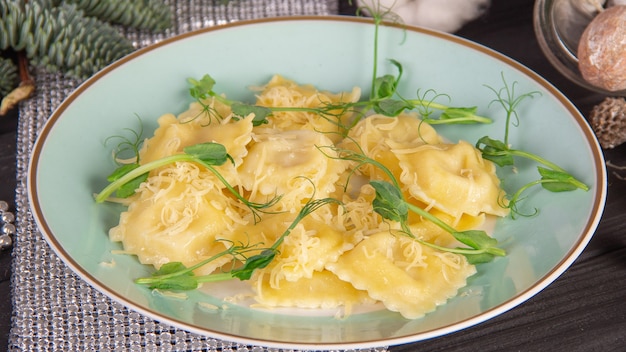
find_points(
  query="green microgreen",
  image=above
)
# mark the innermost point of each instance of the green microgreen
(203, 88)
(266, 256)
(448, 114)
(507, 98)
(552, 177)
(128, 177)
(386, 100)
(128, 147)
(176, 276)
(126, 155)
(391, 204)
(384, 97)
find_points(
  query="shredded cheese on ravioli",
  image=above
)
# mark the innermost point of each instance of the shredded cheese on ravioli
(338, 257)
(290, 164)
(282, 92)
(454, 178)
(179, 214)
(402, 274)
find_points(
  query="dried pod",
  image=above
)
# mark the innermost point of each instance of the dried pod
(602, 50)
(608, 121)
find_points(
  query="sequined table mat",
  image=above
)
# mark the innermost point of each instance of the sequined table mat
(54, 309)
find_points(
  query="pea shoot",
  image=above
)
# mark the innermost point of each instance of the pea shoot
(176, 276)
(128, 147)
(382, 102)
(203, 88)
(552, 177)
(125, 179)
(385, 100)
(390, 204)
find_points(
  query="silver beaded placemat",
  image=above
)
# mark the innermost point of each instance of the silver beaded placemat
(54, 309)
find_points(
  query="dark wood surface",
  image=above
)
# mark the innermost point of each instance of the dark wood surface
(583, 310)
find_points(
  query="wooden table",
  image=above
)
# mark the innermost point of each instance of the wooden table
(583, 310)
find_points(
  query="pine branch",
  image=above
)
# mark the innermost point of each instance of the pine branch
(71, 36)
(8, 76)
(152, 15)
(24, 89)
(60, 38)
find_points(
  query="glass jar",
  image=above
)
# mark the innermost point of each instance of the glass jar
(559, 25)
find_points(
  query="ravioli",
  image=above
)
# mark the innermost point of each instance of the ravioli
(453, 178)
(292, 165)
(377, 136)
(402, 274)
(179, 215)
(297, 278)
(308, 248)
(282, 92)
(322, 290)
(174, 134)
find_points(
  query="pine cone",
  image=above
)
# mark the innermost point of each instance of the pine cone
(608, 121)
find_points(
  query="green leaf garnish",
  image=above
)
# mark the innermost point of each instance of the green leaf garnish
(128, 188)
(475, 238)
(178, 282)
(553, 177)
(208, 153)
(458, 115)
(495, 151)
(559, 181)
(392, 107)
(260, 112)
(384, 100)
(258, 261)
(385, 87)
(121, 171)
(202, 88)
(389, 202)
(479, 258)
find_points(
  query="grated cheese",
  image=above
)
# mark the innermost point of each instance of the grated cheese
(338, 257)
